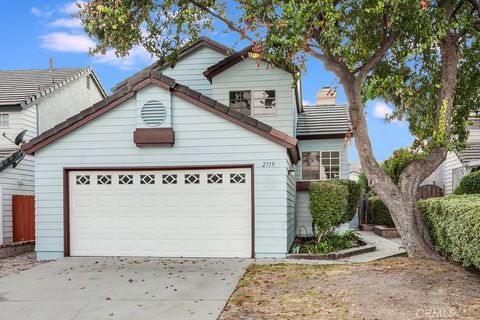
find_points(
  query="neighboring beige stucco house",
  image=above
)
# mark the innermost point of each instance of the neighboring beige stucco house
(35, 100)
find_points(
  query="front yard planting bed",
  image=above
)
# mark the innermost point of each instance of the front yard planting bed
(335, 246)
(395, 288)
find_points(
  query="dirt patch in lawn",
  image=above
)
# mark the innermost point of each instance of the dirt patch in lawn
(18, 263)
(396, 288)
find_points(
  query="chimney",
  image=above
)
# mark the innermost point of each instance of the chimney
(51, 64)
(327, 96)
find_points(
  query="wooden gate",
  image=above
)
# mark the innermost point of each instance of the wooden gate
(429, 191)
(23, 214)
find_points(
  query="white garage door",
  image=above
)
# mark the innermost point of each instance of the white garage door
(176, 213)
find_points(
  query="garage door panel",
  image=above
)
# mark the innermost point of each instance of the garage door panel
(176, 213)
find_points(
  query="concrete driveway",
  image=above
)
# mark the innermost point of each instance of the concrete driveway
(121, 288)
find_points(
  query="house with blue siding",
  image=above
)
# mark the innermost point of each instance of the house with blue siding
(32, 101)
(207, 158)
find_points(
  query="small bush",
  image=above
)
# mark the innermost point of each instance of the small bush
(354, 194)
(454, 222)
(328, 205)
(331, 243)
(470, 184)
(379, 213)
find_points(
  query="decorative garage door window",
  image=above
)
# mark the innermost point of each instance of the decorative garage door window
(125, 179)
(153, 113)
(323, 165)
(214, 178)
(104, 179)
(166, 178)
(237, 177)
(192, 178)
(147, 179)
(82, 179)
(169, 179)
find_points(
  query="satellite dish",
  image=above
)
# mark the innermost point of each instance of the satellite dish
(19, 138)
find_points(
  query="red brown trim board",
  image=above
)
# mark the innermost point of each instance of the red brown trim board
(154, 77)
(149, 137)
(66, 192)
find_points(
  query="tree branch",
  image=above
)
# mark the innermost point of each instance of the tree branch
(229, 24)
(458, 7)
(375, 59)
(333, 64)
(475, 4)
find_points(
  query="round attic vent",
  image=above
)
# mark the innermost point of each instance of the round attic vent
(153, 113)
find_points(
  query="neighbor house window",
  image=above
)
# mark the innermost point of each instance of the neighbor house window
(4, 120)
(320, 165)
(259, 102)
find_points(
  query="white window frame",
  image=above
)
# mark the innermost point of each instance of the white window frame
(253, 100)
(320, 165)
(2, 115)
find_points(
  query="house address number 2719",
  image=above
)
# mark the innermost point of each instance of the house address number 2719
(268, 164)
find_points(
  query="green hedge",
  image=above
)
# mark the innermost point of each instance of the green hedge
(379, 213)
(354, 194)
(328, 205)
(470, 184)
(455, 225)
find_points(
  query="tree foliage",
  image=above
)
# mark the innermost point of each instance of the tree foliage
(420, 55)
(399, 160)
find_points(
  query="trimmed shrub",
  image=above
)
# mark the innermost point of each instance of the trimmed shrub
(454, 222)
(470, 184)
(399, 160)
(379, 213)
(354, 194)
(328, 204)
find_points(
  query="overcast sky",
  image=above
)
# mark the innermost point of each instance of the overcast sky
(32, 31)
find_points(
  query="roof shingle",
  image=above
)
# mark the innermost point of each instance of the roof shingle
(323, 120)
(22, 87)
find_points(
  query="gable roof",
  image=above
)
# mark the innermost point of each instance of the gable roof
(21, 88)
(145, 78)
(323, 122)
(228, 62)
(184, 52)
(239, 56)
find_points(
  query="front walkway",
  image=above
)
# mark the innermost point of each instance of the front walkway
(121, 288)
(384, 248)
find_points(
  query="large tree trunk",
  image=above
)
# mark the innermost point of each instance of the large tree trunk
(400, 200)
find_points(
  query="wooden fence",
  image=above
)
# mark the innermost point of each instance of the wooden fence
(423, 192)
(23, 214)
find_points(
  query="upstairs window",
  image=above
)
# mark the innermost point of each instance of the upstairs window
(323, 165)
(241, 101)
(259, 102)
(4, 120)
(264, 102)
